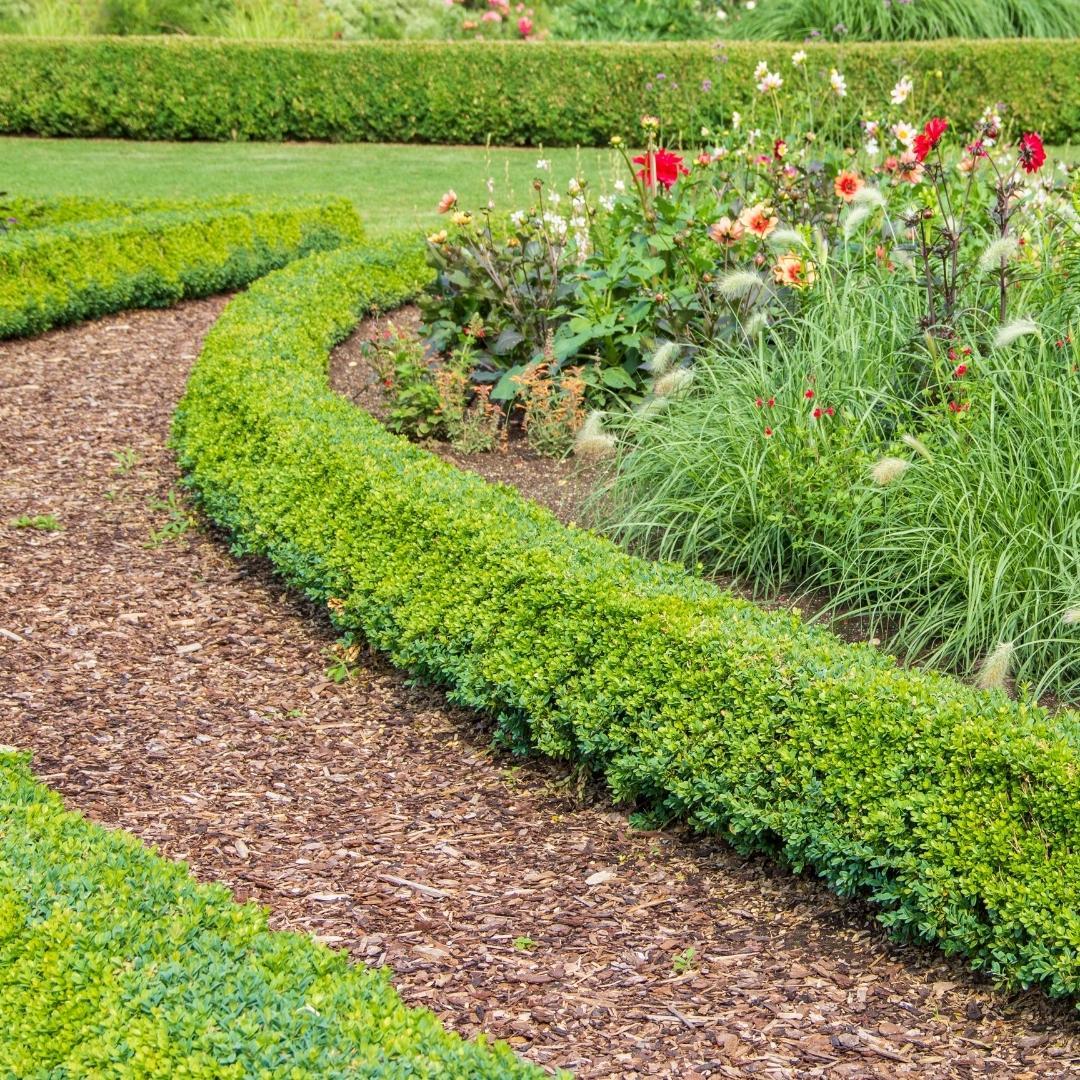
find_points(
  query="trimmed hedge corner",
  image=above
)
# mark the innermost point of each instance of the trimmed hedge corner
(527, 93)
(70, 269)
(957, 812)
(114, 962)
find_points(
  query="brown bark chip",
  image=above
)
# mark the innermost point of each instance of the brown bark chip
(181, 694)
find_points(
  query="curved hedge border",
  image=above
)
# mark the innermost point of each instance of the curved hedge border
(557, 94)
(62, 273)
(956, 811)
(114, 962)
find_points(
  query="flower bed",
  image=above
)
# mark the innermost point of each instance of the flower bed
(955, 811)
(115, 962)
(554, 94)
(61, 273)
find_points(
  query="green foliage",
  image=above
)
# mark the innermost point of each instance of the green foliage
(643, 20)
(954, 810)
(115, 962)
(178, 520)
(61, 273)
(684, 961)
(41, 522)
(160, 16)
(908, 20)
(537, 93)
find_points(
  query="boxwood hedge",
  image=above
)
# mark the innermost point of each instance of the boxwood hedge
(114, 962)
(556, 94)
(955, 811)
(79, 266)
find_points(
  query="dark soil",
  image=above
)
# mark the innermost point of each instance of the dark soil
(182, 695)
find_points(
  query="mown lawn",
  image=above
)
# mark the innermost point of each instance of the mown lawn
(395, 186)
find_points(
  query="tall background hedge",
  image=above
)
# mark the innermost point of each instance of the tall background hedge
(555, 94)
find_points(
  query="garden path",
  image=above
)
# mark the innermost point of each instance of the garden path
(180, 694)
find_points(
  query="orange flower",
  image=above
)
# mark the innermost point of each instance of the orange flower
(910, 168)
(793, 271)
(847, 185)
(725, 232)
(448, 202)
(759, 220)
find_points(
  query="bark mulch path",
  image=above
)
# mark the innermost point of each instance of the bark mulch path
(169, 689)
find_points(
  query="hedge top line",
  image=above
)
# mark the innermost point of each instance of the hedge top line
(513, 93)
(824, 48)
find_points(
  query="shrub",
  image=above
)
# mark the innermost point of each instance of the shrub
(66, 272)
(115, 962)
(555, 94)
(954, 810)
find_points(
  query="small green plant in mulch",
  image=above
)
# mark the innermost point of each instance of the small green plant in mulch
(684, 961)
(344, 657)
(177, 523)
(41, 522)
(126, 460)
(524, 943)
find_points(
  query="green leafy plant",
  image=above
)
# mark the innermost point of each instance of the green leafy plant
(40, 522)
(524, 943)
(178, 521)
(126, 460)
(684, 961)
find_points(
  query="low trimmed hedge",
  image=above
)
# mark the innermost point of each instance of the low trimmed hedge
(555, 94)
(957, 812)
(114, 962)
(62, 273)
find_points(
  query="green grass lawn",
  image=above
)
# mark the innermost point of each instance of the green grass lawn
(394, 186)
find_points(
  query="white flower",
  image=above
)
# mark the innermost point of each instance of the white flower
(491, 185)
(771, 81)
(904, 133)
(872, 147)
(555, 198)
(517, 218)
(607, 202)
(574, 186)
(544, 165)
(620, 186)
(736, 120)
(721, 14)
(761, 70)
(750, 5)
(871, 127)
(578, 223)
(798, 58)
(838, 83)
(901, 91)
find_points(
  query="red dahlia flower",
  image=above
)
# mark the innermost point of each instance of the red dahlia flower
(669, 167)
(929, 137)
(1032, 154)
